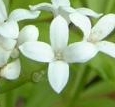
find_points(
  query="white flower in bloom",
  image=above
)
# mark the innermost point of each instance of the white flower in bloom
(93, 38)
(62, 7)
(9, 31)
(55, 55)
(8, 25)
(12, 70)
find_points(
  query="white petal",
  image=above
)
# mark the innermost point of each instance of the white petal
(67, 9)
(7, 44)
(9, 29)
(3, 13)
(28, 33)
(82, 22)
(22, 14)
(103, 27)
(58, 75)
(65, 12)
(38, 51)
(12, 70)
(43, 6)
(58, 3)
(4, 56)
(80, 52)
(59, 33)
(88, 12)
(107, 48)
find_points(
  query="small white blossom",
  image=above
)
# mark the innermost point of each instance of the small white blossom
(8, 25)
(55, 55)
(63, 8)
(9, 31)
(93, 38)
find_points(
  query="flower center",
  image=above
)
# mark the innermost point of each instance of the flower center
(59, 55)
(93, 39)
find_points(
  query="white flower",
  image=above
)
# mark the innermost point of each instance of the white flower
(93, 38)
(9, 31)
(12, 70)
(55, 55)
(8, 25)
(62, 7)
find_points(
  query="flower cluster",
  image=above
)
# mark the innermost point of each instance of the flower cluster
(59, 54)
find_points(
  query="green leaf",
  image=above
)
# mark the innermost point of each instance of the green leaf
(98, 89)
(104, 66)
(105, 102)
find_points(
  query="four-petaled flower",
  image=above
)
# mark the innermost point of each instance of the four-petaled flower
(93, 37)
(63, 8)
(58, 70)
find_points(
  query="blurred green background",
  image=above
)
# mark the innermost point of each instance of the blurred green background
(91, 84)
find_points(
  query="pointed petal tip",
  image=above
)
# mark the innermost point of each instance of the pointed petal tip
(31, 7)
(58, 91)
(99, 15)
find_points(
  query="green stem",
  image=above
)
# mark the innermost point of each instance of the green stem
(80, 82)
(9, 99)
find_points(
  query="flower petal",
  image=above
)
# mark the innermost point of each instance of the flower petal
(12, 70)
(107, 48)
(80, 52)
(43, 6)
(82, 22)
(38, 51)
(9, 29)
(88, 12)
(22, 14)
(65, 12)
(103, 27)
(7, 44)
(59, 33)
(58, 3)
(4, 56)
(58, 75)
(6, 47)
(3, 13)
(28, 33)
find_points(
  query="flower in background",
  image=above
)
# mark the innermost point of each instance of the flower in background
(55, 55)
(93, 38)
(9, 31)
(8, 25)
(62, 7)
(12, 70)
